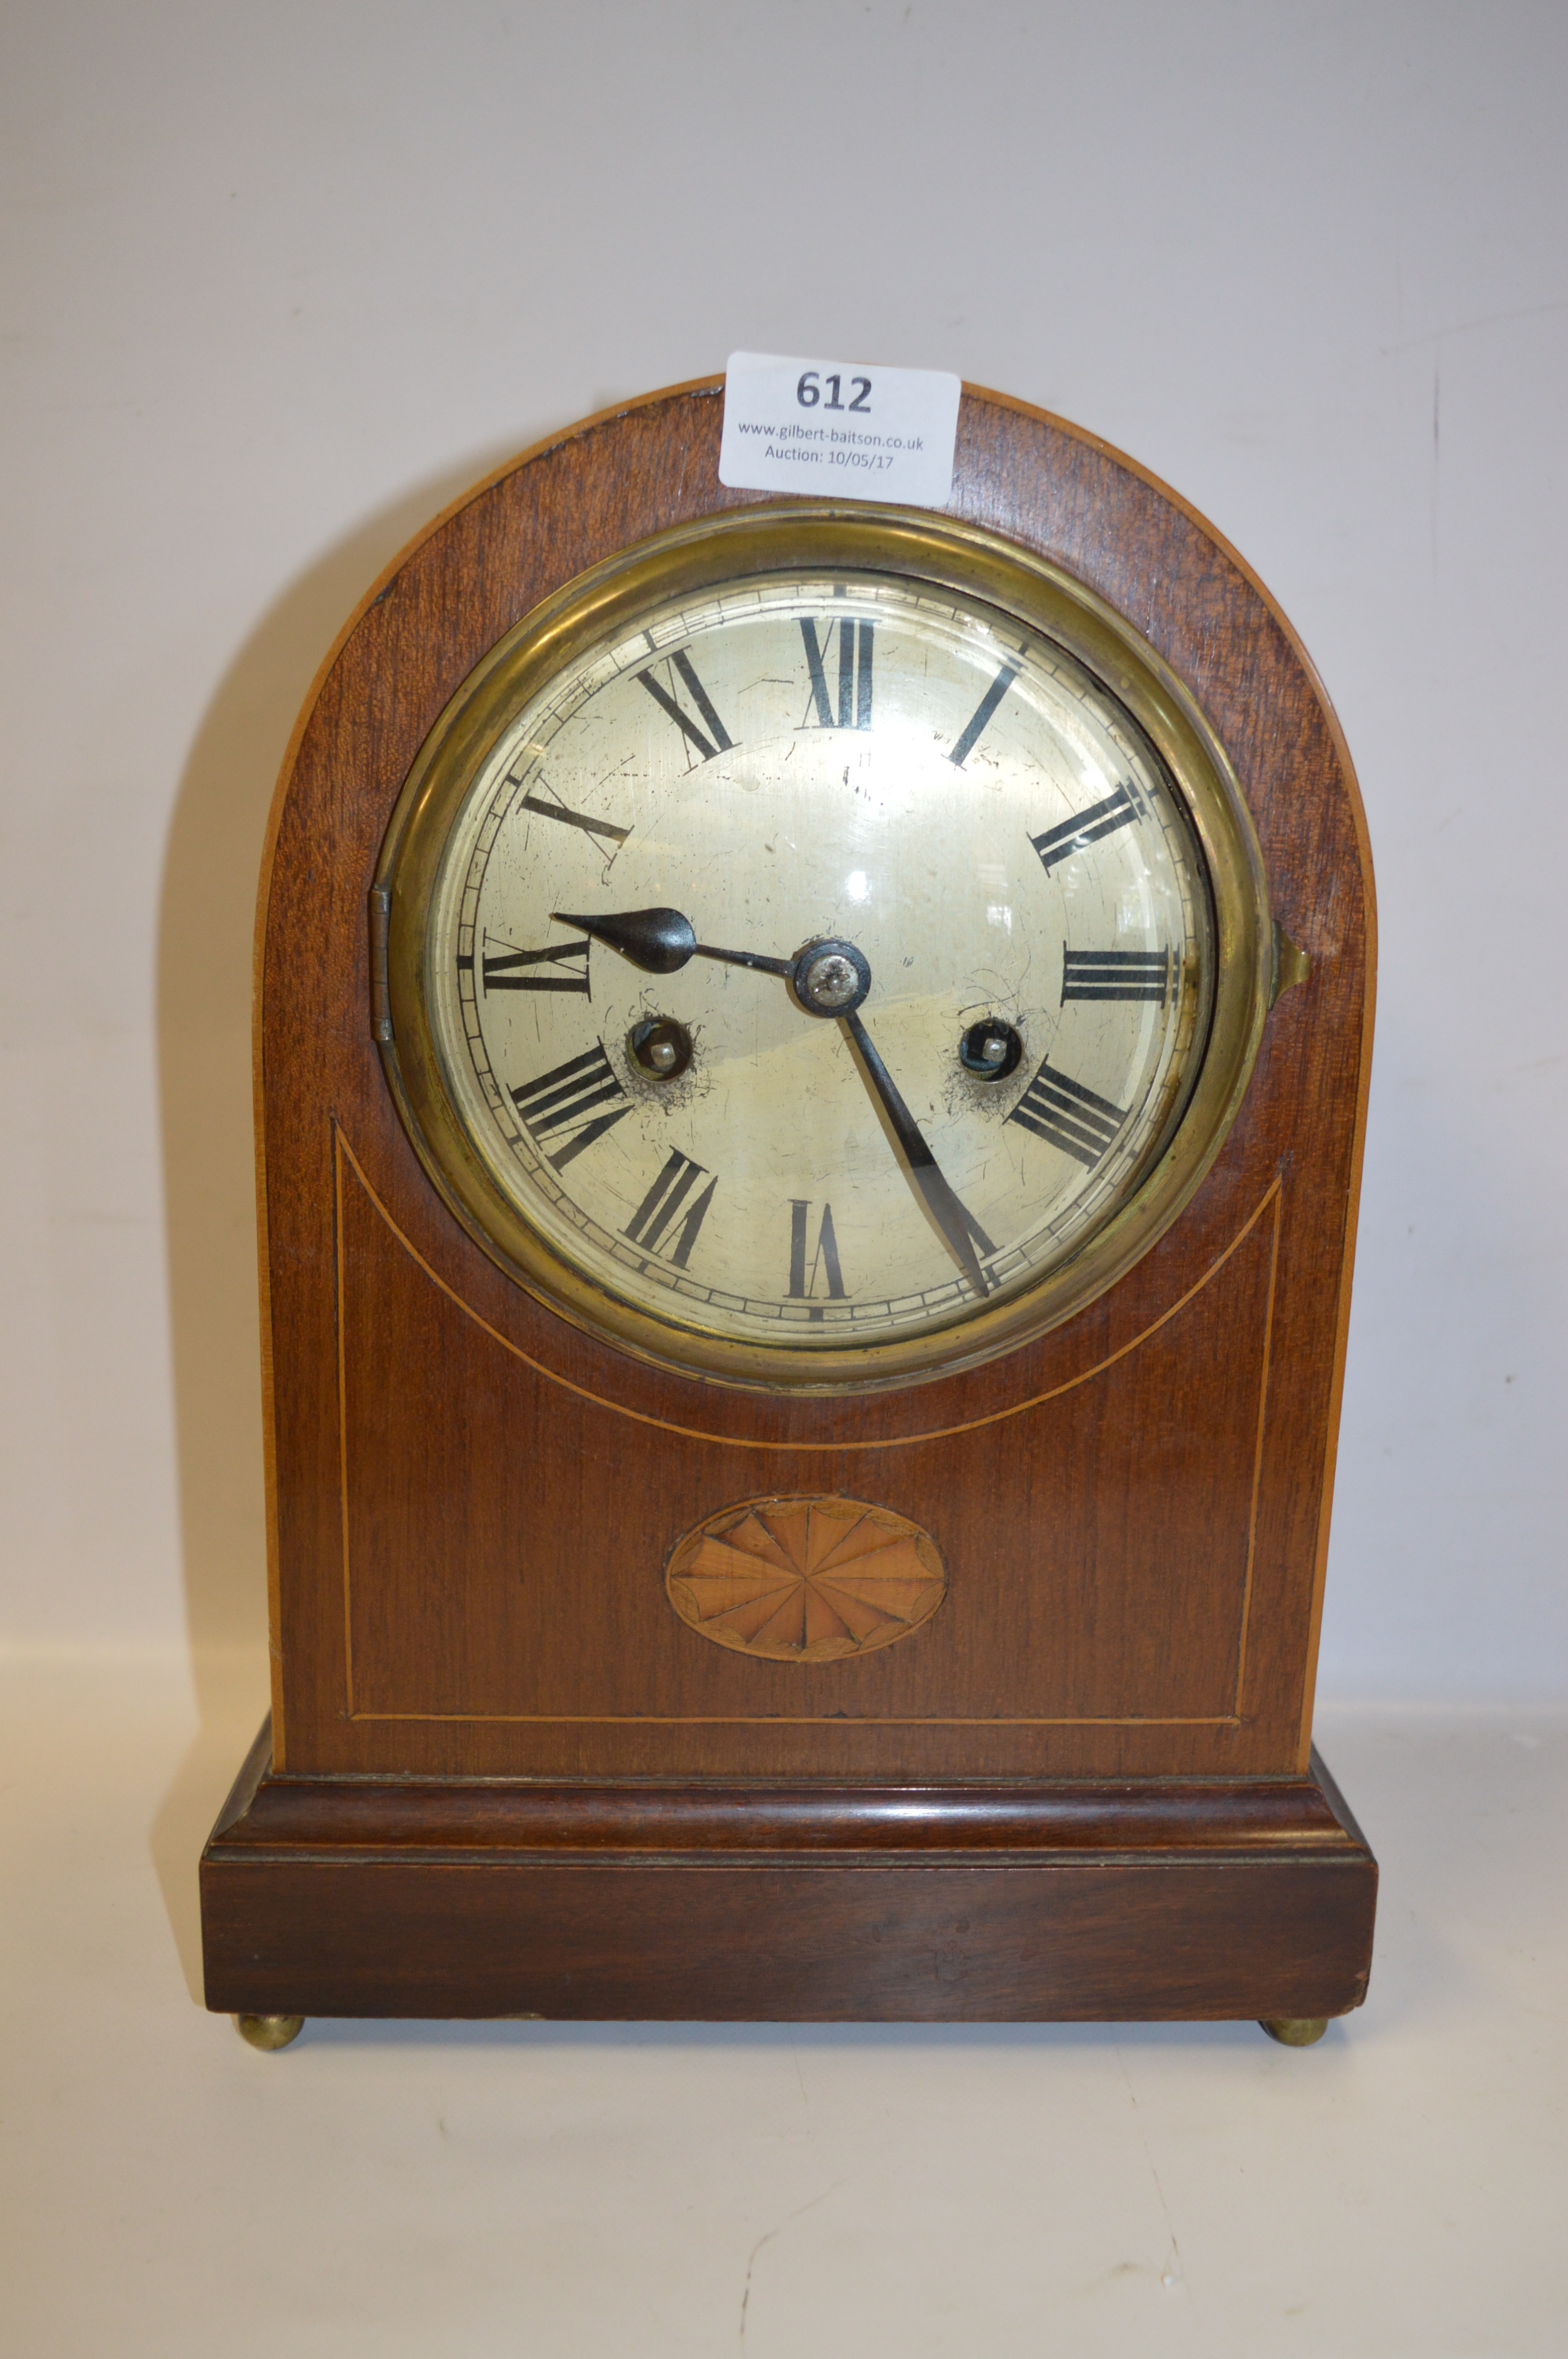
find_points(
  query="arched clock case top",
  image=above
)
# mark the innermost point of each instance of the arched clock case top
(478, 1482)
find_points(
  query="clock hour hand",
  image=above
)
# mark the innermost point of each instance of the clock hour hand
(660, 941)
(943, 1206)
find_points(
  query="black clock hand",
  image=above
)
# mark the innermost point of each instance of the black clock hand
(943, 1206)
(660, 941)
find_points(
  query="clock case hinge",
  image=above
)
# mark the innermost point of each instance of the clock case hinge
(380, 993)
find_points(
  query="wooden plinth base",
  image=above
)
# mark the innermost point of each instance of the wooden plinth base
(985, 1902)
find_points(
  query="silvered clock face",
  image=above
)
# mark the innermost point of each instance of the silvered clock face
(817, 962)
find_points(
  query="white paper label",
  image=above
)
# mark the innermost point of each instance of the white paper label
(847, 428)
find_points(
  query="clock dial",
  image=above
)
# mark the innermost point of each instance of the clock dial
(818, 961)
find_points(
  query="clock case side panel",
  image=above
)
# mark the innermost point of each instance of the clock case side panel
(265, 916)
(624, 476)
(1357, 812)
(987, 491)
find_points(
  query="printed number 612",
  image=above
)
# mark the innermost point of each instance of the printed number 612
(808, 392)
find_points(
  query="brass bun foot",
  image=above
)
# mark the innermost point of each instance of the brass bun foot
(269, 2031)
(1295, 2030)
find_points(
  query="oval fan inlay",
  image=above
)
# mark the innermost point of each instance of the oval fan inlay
(805, 1580)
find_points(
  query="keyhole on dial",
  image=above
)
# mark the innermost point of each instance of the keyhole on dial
(990, 1049)
(660, 1048)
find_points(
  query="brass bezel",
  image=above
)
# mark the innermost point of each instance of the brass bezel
(803, 537)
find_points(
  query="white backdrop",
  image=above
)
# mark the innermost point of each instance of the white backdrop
(279, 279)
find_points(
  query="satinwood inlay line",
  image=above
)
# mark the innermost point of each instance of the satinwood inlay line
(1272, 1202)
(1272, 1196)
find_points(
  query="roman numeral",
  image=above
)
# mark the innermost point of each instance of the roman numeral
(719, 742)
(500, 969)
(854, 673)
(658, 1210)
(825, 1258)
(983, 710)
(600, 829)
(561, 1103)
(1115, 974)
(1067, 1115)
(1118, 809)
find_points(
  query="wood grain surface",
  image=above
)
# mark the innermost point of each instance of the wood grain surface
(484, 1897)
(474, 1502)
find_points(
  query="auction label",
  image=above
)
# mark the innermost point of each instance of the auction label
(847, 428)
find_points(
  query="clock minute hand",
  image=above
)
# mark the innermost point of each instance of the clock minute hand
(943, 1206)
(660, 941)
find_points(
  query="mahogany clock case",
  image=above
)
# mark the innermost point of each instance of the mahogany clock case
(504, 1774)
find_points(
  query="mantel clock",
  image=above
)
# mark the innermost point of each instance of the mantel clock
(810, 1070)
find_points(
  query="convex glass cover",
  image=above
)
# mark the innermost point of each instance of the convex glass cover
(799, 967)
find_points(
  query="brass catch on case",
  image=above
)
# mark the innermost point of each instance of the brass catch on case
(1291, 964)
